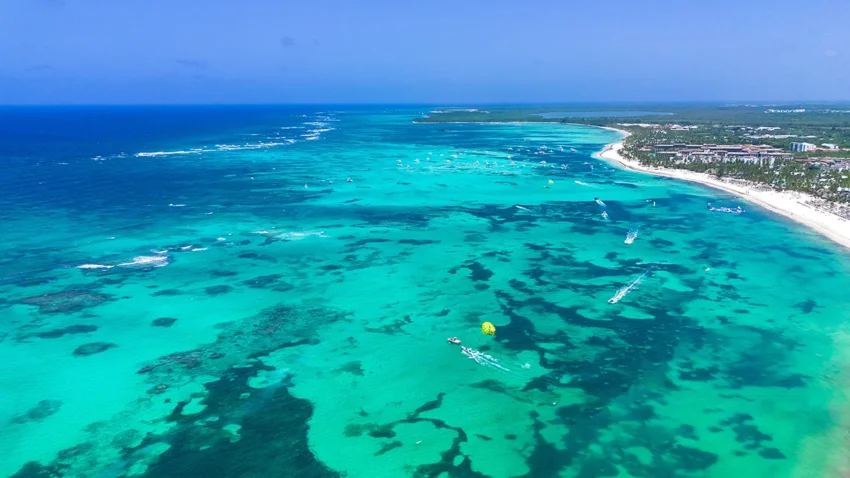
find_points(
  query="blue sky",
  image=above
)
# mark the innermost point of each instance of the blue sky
(458, 51)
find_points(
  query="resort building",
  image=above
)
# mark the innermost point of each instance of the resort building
(799, 147)
(761, 154)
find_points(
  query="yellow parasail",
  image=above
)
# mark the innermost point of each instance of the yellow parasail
(551, 182)
(488, 329)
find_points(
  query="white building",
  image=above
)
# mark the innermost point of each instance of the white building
(798, 147)
(830, 146)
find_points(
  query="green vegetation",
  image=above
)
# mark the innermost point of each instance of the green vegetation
(820, 173)
(818, 117)
(816, 178)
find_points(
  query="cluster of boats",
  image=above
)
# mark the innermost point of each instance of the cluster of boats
(729, 210)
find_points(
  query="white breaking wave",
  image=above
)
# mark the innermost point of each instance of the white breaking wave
(261, 145)
(112, 156)
(155, 154)
(152, 261)
(301, 235)
(292, 235)
(159, 260)
(218, 147)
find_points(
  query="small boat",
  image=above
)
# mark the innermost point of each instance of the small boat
(730, 210)
(454, 340)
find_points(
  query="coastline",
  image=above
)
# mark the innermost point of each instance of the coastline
(789, 204)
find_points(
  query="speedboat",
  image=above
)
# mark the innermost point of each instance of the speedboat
(454, 340)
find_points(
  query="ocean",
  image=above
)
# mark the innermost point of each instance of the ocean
(268, 291)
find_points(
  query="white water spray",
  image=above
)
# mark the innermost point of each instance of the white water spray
(483, 359)
(630, 287)
(632, 235)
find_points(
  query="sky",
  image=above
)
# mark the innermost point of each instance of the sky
(435, 51)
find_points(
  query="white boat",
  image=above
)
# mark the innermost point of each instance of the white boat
(454, 340)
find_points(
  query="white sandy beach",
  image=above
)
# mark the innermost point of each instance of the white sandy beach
(790, 204)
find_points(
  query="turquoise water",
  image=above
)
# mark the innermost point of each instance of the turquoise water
(186, 293)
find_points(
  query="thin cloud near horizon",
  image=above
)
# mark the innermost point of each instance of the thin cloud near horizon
(190, 63)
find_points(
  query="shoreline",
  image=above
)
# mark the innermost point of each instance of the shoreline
(785, 203)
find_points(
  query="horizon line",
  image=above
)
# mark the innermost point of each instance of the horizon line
(454, 105)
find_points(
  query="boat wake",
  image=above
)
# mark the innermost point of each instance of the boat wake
(632, 235)
(483, 359)
(630, 287)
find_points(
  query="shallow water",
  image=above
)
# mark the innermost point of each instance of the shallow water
(231, 321)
